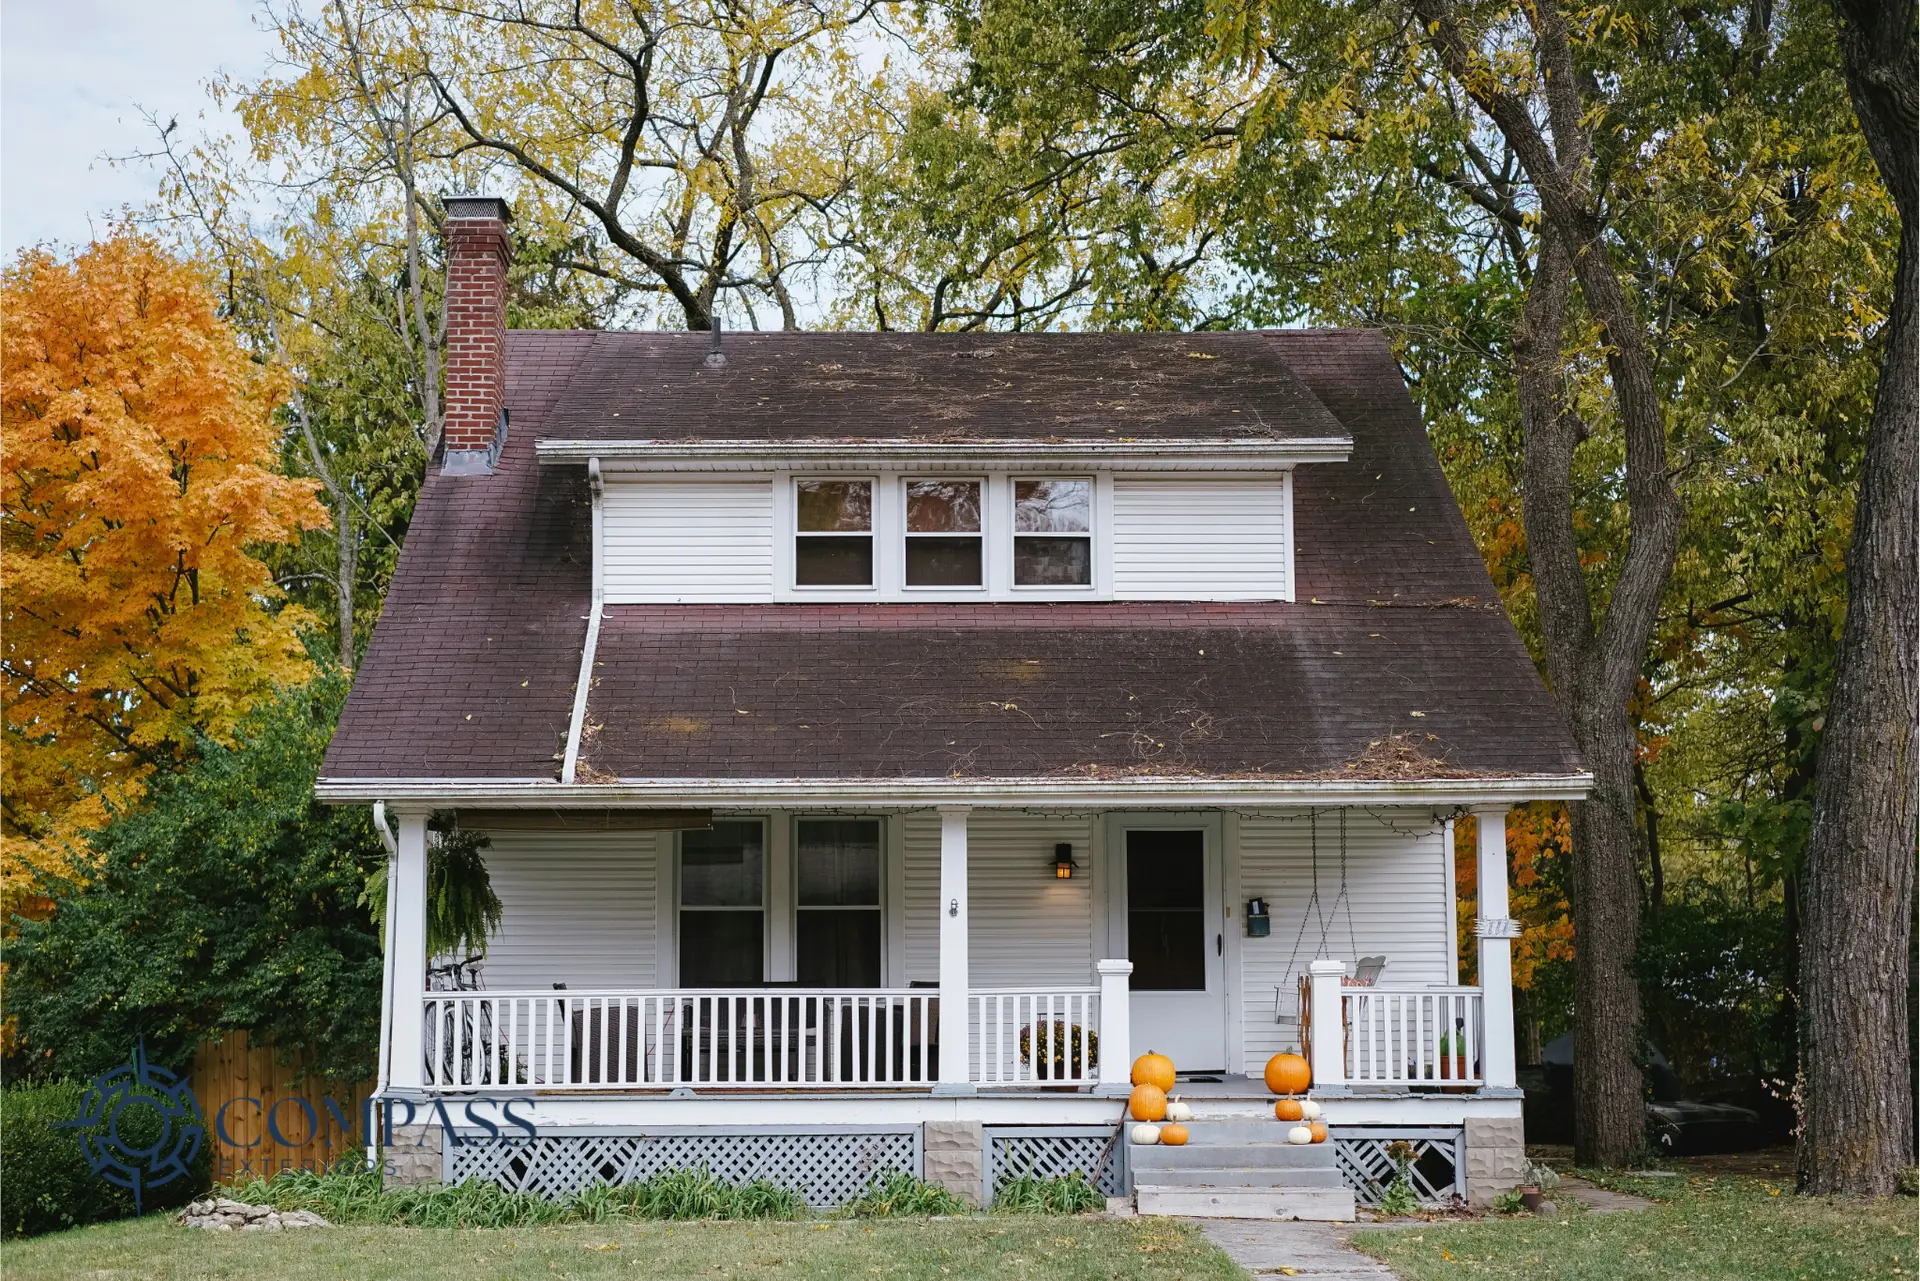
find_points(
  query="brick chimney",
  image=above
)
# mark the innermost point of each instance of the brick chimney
(473, 411)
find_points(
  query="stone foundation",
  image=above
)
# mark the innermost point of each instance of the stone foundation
(1496, 1156)
(414, 1159)
(955, 1153)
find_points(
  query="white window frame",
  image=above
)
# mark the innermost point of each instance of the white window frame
(1095, 542)
(884, 900)
(901, 481)
(876, 500)
(889, 535)
(766, 909)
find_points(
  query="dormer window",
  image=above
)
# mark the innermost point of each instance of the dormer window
(833, 538)
(943, 533)
(1052, 533)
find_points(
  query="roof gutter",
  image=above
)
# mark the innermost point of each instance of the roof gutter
(570, 768)
(1013, 793)
(1133, 454)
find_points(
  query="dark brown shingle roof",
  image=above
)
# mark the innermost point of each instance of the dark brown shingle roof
(938, 388)
(470, 673)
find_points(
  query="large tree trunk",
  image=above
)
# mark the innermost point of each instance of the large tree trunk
(1856, 1127)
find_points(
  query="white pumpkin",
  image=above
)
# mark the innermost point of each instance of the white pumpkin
(1300, 1134)
(1309, 1110)
(1178, 1111)
(1148, 1134)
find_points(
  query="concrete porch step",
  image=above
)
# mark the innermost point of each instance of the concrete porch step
(1207, 1132)
(1334, 1205)
(1241, 1176)
(1291, 1156)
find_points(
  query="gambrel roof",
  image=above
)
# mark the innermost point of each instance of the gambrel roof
(1396, 660)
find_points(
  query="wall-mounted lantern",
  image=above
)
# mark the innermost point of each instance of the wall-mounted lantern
(1063, 860)
(1259, 923)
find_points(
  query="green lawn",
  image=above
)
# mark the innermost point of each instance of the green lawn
(1705, 1229)
(935, 1249)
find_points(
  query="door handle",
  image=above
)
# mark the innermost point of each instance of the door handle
(1219, 945)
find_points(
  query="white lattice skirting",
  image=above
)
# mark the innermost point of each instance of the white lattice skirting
(1436, 1174)
(1052, 1151)
(828, 1169)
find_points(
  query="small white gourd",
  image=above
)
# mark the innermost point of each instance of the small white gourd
(1300, 1134)
(1147, 1134)
(1178, 1111)
(1309, 1110)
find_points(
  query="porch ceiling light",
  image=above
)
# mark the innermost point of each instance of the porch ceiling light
(1063, 860)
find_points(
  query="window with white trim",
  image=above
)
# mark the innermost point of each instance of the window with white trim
(837, 905)
(1052, 532)
(833, 533)
(944, 544)
(722, 923)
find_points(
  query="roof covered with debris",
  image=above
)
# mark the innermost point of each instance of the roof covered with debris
(1396, 661)
(938, 389)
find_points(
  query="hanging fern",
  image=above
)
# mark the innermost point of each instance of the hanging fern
(462, 909)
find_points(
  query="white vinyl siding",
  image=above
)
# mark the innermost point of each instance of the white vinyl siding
(576, 907)
(1029, 928)
(688, 541)
(1211, 539)
(1399, 892)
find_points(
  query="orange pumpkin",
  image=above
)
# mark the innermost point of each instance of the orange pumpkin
(1287, 1110)
(1147, 1103)
(1173, 1135)
(1155, 1070)
(1319, 1133)
(1288, 1074)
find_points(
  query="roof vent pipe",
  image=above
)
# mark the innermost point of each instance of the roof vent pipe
(715, 357)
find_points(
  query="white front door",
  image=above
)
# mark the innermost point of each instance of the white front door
(1169, 881)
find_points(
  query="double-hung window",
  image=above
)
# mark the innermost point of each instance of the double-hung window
(943, 533)
(722, 913)
(837, 908)
(1052, 533)
(833, 533)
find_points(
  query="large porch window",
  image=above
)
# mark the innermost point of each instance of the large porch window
(722, 917)
(837, 908)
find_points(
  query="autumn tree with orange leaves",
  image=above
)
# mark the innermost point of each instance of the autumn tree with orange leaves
(139, 443)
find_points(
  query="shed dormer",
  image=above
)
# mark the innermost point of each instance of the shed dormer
(879, 467)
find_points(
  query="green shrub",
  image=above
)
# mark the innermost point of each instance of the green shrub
(354, 1196)
(898, 1194)
(49, 1185)
(1030, 1194)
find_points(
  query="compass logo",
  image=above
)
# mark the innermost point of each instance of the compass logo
(114, 1097)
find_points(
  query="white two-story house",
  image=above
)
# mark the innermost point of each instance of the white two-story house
(883, 738)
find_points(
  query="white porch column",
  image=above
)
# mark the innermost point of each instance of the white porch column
(1329, 1026)
(407, 963)
(956, 1050)
(1116, 1028)
(1496, 932)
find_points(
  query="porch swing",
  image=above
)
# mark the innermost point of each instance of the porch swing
(1366, 969)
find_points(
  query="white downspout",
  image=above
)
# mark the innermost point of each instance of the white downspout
(578, 723)
(386, 988)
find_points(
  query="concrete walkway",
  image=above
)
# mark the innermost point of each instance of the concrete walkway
(1272, 1248)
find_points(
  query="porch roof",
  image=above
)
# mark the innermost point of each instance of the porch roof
(470, 673)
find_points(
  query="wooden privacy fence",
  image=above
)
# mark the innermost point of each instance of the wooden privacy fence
(259, 1123)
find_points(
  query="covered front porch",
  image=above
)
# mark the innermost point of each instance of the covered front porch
(965, 951)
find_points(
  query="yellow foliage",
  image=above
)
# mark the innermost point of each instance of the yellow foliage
(1537, 834)
(139, 445)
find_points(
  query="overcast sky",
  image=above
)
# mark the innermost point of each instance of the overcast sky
(73, 76)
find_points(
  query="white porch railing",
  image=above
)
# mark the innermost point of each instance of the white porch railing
(756, 1039)
(1412, 1036)
(1045, 1036)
